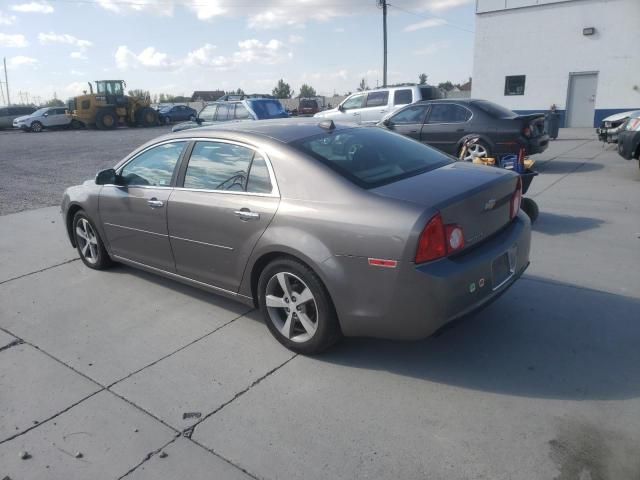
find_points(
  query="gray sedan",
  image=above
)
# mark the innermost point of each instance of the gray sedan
(329, 229)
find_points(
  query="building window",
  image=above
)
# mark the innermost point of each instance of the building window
(514, 85)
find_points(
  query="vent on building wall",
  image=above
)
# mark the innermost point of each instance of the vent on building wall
(588, 31)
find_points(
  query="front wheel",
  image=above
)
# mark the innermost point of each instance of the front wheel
(166, 120)
(89, 244)
(297, 308)
(36, 127)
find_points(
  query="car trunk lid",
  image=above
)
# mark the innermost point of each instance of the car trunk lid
(534, 121)
(476, 198)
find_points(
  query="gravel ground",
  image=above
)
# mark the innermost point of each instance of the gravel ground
(36, 168)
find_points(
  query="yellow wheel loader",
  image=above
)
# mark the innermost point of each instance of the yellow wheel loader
(108, 107)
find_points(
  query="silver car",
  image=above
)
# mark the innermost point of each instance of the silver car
(47, 117)
(329, 229)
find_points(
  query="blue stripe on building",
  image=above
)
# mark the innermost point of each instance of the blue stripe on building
(600, 114)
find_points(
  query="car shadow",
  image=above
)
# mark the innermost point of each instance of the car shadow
(542, 339)
(554, 224)
(560, 166)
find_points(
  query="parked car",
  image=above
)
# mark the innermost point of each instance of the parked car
(612, 125)
(47, 117)
(225, 111)
(9, 114)
(393, 240)
(308, 106)
(446, 124)
(629, 138)
(176, 113)
(369, 107)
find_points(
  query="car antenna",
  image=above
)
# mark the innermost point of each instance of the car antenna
(327, 124)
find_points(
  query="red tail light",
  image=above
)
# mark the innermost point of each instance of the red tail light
(516, 199)
(438, 240)
(526, 131)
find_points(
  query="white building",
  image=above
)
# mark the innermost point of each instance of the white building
(581, 55)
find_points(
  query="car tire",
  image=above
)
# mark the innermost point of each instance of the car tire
(530, 207)
(167, 120)
(478, 149)
(88, 243)
(106, 120)
(76, 124)
(297, 307)
(36, 127)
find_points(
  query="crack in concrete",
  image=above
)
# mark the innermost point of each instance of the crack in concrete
(213, 452)
(17, 341)
(148, 457)
(38, 271)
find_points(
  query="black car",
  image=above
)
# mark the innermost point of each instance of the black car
(629, 139)
(445, 124)
(176, 113)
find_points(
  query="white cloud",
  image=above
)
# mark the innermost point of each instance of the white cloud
(7, 19)
(32, 7)
(63, 38)
(338, 30)
(431, 49)
(78, 55)
(149, 58)
(447, 4)
(13, 41)
(77, 73)
(21, 61)
(206, 57)
(430, 23)
(159, 7)
(76, 88)
(293, 39)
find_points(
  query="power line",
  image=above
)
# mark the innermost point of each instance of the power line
(430, 17)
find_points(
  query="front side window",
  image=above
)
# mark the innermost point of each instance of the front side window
(265, 109)
(448, 113)
(223, 113)
(514, 85)
(353, 102)
(154, 167)
(402, 97)
(228, 167)
(208, 113)
(371, 157)
(241, 112)
(410, 115)
(377, 99)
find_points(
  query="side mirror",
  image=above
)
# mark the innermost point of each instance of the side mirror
(107, 177)
(45, 115)
(387, 122)
(198, 120)
(341, 108)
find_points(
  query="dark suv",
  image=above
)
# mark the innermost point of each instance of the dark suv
(445, 124)
(308, 106)
(225, 111)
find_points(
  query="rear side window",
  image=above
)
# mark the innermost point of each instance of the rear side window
(402, 97)
(371, 157)
(448, 113)
(241, 112)
(227, 167)
(223, 112)
(429, 93)
(377, 99)
(267, 109)
(4, 112)
(154, 167)
(308, 104)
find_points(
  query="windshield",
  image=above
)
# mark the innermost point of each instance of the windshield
(40, 112)
(308, 104)
(371, 157)
(267, 108)
(495, 110)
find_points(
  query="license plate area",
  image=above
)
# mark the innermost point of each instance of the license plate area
(503, 268)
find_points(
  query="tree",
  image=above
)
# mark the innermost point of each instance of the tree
(138, 93)
(363, 85)
(54, 102)
(423, 78)
(165, 98)
(240, 91)
(307, 91)
(282, 90)
(446, 86)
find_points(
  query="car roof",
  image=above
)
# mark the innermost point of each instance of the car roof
(451, 100)
(285, 130)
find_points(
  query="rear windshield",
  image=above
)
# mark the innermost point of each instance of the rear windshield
(371, 157)
(308, 104)
(495, 110)
(429, 93)
(267, 108)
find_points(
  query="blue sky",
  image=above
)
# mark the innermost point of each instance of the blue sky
(177, 46)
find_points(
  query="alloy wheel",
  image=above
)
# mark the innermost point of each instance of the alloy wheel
(87, 241)
(475, 150)
(36, 127)
(292, 307)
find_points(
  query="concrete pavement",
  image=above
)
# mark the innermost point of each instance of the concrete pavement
(147, 378)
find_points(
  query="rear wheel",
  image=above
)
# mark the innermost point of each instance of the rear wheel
(76, 124)
(530, 207)
(296, 307)
(36, 127)
(167, 120)
(89, 244)
(106, 120)
(147, 117)
(478, 149)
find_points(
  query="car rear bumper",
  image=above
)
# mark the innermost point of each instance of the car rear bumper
(413, 301)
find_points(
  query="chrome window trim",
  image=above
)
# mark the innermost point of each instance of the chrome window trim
(275, 191)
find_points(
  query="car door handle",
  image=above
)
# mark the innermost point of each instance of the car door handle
(155, 203)
(246, 214)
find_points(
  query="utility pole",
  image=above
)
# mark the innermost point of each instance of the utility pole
(383, 4)
(6, 81)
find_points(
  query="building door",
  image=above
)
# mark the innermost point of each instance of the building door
(581, 100)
